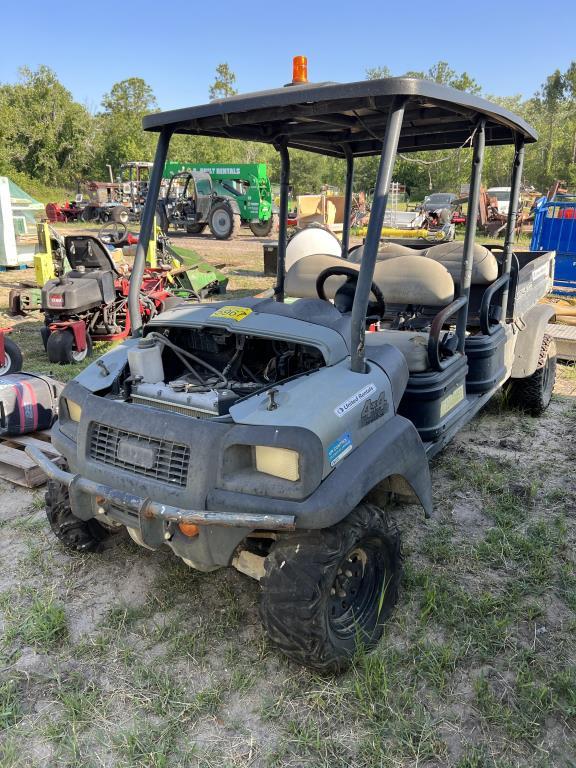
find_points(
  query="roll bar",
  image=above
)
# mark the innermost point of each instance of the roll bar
(283, 213)
(478, 145)
(517, 167)
(146, 231)
(366, 274)
(347, 201)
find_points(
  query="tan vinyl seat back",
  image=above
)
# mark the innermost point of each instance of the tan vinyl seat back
(404, 280)
(484, 264)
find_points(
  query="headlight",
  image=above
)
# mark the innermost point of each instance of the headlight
(74, 410)
(280, 462)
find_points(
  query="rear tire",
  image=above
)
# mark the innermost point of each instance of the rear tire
(326, 594)
(119, 214)
(263, 228)
(13, 358)
(195, 229)
(533, 394)
(223, 222)
(61, 348)
(77, 535)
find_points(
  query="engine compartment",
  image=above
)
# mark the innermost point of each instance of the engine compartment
(202, 372)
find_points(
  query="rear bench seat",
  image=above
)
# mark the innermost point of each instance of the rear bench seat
(405, 280)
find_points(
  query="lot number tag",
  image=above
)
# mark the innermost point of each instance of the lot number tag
(232, 313)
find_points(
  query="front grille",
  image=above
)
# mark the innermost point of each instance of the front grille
(163, 405)
(171, 460)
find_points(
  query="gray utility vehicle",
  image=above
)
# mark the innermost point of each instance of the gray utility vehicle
(268, 434)
(191, 203)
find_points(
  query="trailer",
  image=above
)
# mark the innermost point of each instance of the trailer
(555, 230)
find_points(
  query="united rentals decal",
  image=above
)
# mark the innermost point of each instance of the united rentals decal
(354, 400)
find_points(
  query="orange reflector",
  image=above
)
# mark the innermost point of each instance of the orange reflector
(299, 69)
(189, 529)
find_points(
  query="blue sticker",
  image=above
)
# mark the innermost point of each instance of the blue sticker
(339, 448)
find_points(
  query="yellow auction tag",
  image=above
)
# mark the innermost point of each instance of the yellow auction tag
(232, 313)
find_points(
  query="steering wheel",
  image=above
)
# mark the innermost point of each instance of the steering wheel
(352, 275)
(114, 232)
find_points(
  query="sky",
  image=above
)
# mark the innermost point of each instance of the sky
(175, 46)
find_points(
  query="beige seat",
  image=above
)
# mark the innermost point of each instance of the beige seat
(407, 279)
(404, 280)
(484, 264)
(412, 344)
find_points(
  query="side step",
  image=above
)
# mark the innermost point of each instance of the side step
(565, 337)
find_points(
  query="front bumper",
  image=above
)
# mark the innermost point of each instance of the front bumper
(155, 519)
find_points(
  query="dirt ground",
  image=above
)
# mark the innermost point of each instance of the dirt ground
(129, 659)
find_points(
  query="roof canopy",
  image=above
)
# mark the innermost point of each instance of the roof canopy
(332, 118)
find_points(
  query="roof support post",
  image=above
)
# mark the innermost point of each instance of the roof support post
(283, 215)
(146, 230)
(515, 182)
(468, 254)
(366, 274)
(347, 200)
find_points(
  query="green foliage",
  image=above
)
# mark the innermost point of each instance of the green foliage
(119, 127)
(223, 85)
(44, 133)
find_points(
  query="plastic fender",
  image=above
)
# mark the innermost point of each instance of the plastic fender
(529, 341)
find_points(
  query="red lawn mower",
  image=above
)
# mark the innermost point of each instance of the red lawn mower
(90, 302)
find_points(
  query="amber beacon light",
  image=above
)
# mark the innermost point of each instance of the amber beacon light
(299, 69)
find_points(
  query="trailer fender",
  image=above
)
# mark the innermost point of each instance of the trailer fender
(529, 340)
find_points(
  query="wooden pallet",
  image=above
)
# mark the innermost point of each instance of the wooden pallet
(16, 466)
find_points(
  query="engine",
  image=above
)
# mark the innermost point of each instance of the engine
(203, 372)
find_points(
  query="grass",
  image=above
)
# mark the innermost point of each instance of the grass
(36, 621)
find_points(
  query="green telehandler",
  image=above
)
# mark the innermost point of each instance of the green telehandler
(247, 183)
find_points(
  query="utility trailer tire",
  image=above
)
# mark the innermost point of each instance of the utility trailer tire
(77, 535)
(223, 222)
(195, 229)
(326, 594)
(533, 394)
(263, 228)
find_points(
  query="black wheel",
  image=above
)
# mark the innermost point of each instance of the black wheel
(44, 333)
(119, 214)
(78, 535)
(223, 222)
(195, 229)
(263, 228)
(533, 394)
(88, 213)
(12, 358)
(326, 594)
(61, 348)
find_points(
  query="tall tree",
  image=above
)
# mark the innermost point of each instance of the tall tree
(223, 85)
(44, 133)
(121, 137)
